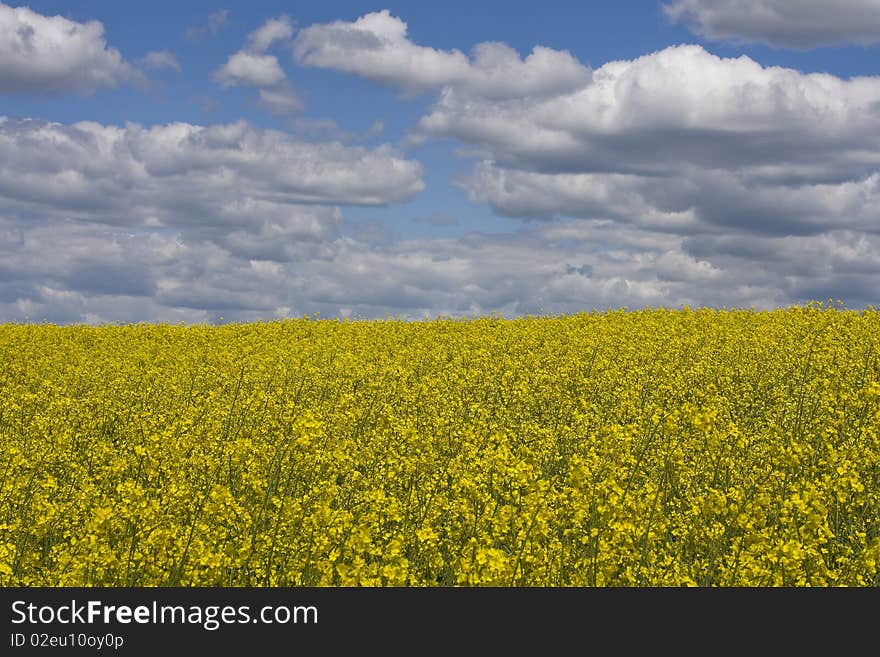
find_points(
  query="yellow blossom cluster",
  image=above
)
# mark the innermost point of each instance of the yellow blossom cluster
(656, 447)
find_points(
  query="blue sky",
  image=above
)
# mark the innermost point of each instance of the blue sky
(198, 160)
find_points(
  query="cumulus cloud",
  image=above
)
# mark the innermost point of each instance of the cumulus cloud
(186, 175)
(137, 223)
(675, 178)
(153, 275)
(172, 224)
(52, 54)
(680, 141)
(800, 24)
(188, 223)
(684, 201)
(252, 67)
(679, 105)
(78, 271)
(376, 46)
(713, 153)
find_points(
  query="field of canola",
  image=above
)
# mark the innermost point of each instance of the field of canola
(618, 448)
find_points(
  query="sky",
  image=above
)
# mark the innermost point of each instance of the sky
(205, 162)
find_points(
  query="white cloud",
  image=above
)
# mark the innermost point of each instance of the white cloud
(252, 67)
(619, 197)
(161, 59)
(73, 271)
(186, 175)
(675, 178)
(376, 47)
(176, 221)
(669, 159)
(684, 201)
(258, 259)
(800, 24)
(679, 105)
(51, 54)
(245, 68)
(275, 29)
(680, 141)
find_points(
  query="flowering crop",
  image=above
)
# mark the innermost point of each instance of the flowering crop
(621, 448)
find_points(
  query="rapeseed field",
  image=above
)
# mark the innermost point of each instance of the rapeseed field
(618, 448)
